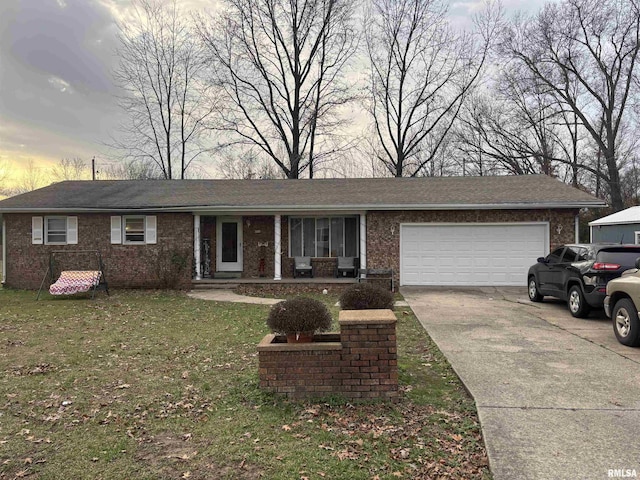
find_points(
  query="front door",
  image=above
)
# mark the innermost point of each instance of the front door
(229, 244)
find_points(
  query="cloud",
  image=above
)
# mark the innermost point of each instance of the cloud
(73, 42)
(56, 58)
(59, 84)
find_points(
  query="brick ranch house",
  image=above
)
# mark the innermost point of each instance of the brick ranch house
(430, 231)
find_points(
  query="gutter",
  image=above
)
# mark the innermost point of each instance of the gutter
(3, 274)
(299, 208)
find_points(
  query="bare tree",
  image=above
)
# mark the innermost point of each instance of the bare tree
(631, 182)
(593, 43)
(32, 178)
(168, 103)
(5, 187)
(421, 71)
(70, 169)
(4, 173)
(513, 129)
(244, 164)
(281, 65)
(129, 170)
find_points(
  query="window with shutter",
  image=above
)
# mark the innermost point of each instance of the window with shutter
(55, 230)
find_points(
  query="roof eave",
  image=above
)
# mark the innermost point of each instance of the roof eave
(294, 208)
(595, 223)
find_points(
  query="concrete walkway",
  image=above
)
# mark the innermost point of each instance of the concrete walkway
(552, 404)
(223, 295)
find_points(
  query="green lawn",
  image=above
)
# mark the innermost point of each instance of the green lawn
(157, 385)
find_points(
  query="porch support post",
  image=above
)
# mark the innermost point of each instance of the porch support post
(363, 240)
(277, 244)
(577, 229)
(196, 246)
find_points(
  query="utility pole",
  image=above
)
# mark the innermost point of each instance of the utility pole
(93, 168)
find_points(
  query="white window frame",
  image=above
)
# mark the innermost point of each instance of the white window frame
(124, 229)
(46, 229)
(315, 227)
(636, 235)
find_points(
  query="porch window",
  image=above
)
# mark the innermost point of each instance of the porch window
(323, 236)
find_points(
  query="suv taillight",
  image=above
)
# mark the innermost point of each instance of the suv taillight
(605, 266)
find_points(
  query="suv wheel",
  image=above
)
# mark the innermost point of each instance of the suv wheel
(534, 294)
(577, 304)
(625, 323)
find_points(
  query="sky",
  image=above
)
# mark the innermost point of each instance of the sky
(57, 94)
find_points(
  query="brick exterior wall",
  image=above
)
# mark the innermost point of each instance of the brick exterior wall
(383, 228)
(129, 266)
(322, 267)
(383, 246)
(258, 230)
(359, 363)
(139, 265)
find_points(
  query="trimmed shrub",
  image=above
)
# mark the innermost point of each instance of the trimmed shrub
(300, 314)
(363, 296)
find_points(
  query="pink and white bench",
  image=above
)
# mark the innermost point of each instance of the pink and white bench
(75, 281)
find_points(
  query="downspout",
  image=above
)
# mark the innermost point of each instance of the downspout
(4, 251)
(363, 240)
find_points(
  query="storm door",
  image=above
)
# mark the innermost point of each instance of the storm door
(229, 244)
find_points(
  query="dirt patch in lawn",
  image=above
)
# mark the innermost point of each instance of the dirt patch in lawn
(185, 457)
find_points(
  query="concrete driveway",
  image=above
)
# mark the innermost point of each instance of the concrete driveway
(558, 397)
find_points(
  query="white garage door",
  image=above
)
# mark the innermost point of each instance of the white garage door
(470, 254)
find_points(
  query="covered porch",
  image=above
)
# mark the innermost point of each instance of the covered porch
(254, 247)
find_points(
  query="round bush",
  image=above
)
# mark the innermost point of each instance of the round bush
(363, 296)
(300, 314)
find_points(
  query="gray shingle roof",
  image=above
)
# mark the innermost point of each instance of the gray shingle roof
(529, 191)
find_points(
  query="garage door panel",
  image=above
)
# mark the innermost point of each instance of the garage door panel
(469, 254)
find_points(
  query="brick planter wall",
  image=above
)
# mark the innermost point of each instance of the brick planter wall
(360, 362)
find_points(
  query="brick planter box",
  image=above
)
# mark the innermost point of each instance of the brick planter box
(360, 362)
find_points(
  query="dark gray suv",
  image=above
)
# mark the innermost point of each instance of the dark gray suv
(579, 274)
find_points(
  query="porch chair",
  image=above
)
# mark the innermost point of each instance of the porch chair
(302, 266)
(346, 266)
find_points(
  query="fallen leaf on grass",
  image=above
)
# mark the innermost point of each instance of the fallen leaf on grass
(347, 454)
(124, 385)
(185, 456)
(286, 428)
